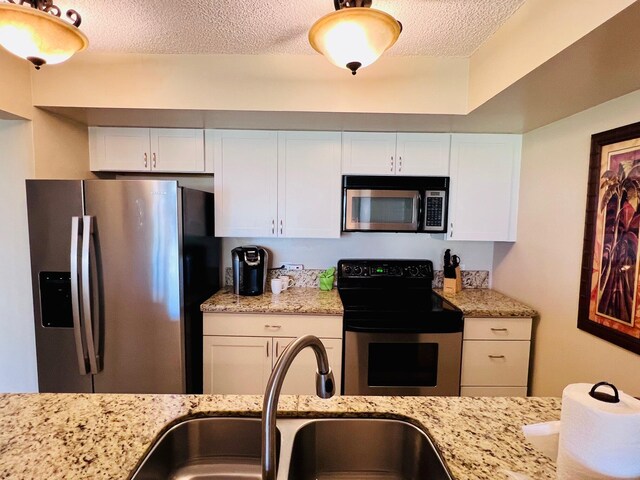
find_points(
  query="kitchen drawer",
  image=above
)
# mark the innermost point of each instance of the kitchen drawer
(493, 391)
(496, 363)
(515, 328)
(259, 325)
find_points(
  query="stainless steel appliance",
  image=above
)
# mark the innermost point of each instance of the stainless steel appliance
(395, 204)
(119, 270)
(400, 337)
(249, 270)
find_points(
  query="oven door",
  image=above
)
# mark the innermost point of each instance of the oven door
(380, 210)
(402, 363)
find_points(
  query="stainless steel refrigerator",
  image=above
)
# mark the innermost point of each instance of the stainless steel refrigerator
(119, 269)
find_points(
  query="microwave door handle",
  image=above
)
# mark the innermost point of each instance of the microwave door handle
(421, 201)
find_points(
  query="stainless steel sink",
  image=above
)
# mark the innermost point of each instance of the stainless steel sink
(361, 448)
(206, 448)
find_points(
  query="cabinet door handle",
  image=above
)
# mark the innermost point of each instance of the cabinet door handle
(146, 162)
(281, 227)
(154, 160)
(499, 330)
(451, 233)
(273, 227)
(496, 356)
(391, 165)
(277, 349)
(268, 348)
(273, 327)
(400, 164)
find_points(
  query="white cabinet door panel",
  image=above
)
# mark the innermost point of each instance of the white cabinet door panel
(301, 377)
(497, 363)
(245, 164)
(368, 153)
(236, 365)
(265, 325)
(485, 173)
(309, 184)
(120, 149)
(423, 154)
(516, 328)
(177, 150)
(493, 391)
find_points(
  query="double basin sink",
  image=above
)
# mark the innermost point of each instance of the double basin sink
(314, 449)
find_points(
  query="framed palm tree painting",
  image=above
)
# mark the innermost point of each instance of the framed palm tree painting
(609, 288)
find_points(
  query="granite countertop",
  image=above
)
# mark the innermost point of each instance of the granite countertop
(484, 302)
(78, 436)
(294, 300)
(474, 302)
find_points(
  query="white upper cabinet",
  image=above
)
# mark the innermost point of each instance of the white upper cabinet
(411, 154)
(246, 182)
(485, 176)
(277, 184)
(368, 153)
(309, 184)
(147, 150)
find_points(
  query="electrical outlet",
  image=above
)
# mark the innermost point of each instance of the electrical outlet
(294, 266)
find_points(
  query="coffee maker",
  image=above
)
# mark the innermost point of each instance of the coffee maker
(249, 270)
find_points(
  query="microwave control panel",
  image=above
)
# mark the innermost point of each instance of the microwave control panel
(434, 208)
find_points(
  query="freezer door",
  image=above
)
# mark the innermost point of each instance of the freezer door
(51, 204)
(140, 334)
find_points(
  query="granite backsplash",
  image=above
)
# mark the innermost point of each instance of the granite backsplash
(309, 277)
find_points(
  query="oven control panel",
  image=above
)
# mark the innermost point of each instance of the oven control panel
(386, 269)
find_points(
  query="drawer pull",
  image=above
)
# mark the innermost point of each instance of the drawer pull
(499, 330)
(273, 327)
(496, 356)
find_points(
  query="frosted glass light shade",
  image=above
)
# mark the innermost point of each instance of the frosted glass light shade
(38, 36)
(354, 34)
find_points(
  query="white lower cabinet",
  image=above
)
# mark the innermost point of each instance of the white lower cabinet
(495, 356)
(240, 351)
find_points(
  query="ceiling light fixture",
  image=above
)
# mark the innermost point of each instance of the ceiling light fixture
(355, 35)
(36, 33)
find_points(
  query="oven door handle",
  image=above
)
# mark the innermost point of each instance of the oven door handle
(454, 328)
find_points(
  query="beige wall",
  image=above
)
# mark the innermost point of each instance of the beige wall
(15, 94)
(61, 147)
(543, 267)
(17, 345)
(306, 83)
(539, 30)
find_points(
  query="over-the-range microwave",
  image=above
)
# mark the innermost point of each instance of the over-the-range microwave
(394, 204)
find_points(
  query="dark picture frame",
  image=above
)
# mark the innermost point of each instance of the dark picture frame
(609, 304)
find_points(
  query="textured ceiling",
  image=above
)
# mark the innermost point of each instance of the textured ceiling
(430, 27)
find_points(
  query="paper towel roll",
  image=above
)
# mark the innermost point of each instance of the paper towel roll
(598, 439)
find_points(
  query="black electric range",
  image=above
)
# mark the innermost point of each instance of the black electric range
(394, 295)
(400, 338)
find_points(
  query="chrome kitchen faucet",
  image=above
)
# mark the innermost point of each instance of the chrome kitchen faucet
(325, 388)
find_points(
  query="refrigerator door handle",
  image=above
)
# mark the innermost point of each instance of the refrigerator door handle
(75, 295)
(88, 307)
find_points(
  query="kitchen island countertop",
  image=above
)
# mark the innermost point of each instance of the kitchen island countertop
(78, 436)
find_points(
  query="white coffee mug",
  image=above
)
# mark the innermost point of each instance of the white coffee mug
(286, 281)
(276, 285)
